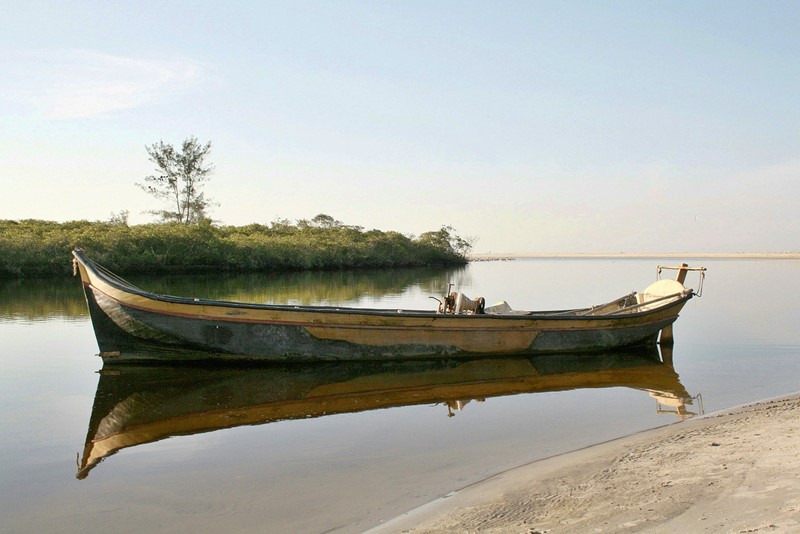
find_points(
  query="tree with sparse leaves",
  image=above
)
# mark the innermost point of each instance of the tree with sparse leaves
(447, 240)
(179, 180)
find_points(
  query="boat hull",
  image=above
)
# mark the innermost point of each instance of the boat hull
(131, 324)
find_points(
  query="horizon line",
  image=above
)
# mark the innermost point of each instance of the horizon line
(486, 256)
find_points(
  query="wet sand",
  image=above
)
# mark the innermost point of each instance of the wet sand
(734, 471)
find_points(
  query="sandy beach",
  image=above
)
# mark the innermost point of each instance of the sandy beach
(735, 471)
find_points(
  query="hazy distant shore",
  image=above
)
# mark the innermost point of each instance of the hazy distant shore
(491, 256)
(734, 471)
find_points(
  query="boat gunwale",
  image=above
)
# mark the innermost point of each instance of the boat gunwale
(109, 278)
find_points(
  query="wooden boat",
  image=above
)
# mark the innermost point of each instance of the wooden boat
(132, 324)
(141, 404)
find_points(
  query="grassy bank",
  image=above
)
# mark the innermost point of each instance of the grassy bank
(35, 248)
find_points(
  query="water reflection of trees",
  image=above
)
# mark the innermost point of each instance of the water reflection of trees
(306, 288)
(40, 299)
(49, 298)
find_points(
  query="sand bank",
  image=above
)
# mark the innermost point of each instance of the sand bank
(490, 256)
(736, 471)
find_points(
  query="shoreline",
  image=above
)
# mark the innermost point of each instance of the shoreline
(735, 470)
(501, 256)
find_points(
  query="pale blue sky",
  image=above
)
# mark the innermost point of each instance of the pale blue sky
(531, 126)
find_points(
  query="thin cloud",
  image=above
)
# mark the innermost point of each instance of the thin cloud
(77, 83)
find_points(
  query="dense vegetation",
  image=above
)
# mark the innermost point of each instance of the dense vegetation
(35, 248)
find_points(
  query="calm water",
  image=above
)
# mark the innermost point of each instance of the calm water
(274, 469)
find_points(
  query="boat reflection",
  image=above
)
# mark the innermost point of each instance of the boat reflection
(142, 404)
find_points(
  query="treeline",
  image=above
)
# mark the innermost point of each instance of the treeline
(36, 248)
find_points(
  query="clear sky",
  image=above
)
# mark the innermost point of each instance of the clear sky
(532, 126)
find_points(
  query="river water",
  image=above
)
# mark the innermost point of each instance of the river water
(344, 448)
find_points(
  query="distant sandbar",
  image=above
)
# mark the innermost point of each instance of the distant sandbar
(494, 256)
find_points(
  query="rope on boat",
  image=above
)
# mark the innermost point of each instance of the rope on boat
(108, 274)
(113, 276)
